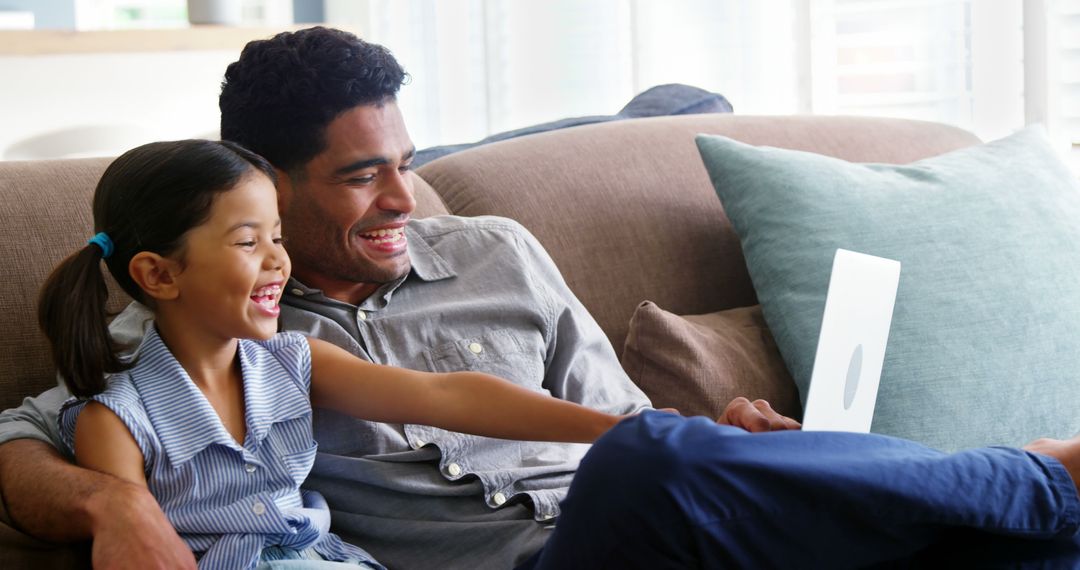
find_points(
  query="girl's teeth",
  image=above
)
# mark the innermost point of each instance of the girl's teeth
(271, 291)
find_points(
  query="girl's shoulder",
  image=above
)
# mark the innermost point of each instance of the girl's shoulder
(286, 340)
(287, 352)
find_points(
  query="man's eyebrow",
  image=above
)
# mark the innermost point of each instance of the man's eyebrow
(369, 162)
(361, 164)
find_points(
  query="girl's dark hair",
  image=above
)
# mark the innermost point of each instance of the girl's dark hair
(146, 200)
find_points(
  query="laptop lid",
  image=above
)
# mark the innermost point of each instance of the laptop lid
(851, 345)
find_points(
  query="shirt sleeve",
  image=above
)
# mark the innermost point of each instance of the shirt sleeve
(581, 366)
(122, 399)
(36, 418)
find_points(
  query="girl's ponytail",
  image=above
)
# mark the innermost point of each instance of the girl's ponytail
(72, 313)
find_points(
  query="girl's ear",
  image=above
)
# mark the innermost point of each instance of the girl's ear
(156, 275)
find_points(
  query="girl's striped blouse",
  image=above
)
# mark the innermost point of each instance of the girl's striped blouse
(226, 500)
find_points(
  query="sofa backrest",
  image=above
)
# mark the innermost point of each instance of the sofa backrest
(627, 210)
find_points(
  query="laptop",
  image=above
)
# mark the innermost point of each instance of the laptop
(851, 345)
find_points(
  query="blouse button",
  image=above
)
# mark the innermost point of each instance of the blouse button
(454, 469)
(249, 468)
(499, 498)
(259, 509)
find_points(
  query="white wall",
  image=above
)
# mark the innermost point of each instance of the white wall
(142, 96)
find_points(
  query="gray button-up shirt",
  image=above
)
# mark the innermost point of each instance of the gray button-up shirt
(482, 295)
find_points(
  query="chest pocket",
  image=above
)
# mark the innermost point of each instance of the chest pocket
(515, 356)
(289, 444)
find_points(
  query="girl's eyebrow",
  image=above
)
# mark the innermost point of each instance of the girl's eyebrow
(250, 224)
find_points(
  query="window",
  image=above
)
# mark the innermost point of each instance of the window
(1065, 75)
(129, 14)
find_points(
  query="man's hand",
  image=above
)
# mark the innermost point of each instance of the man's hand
(52, 499)
(130, 531)
(755, 416)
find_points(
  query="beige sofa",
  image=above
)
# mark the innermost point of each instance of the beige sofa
(625, 209)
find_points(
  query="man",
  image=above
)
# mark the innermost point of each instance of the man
(657, 490)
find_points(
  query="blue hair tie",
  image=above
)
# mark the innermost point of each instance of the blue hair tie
(101, 239)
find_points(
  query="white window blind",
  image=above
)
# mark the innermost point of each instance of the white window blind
(906, 58)
(1065, 58)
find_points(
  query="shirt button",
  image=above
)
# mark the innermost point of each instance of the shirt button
(259, 509)
(476, 348)
(361, 315)
(454, 469)
(417, 444)
(297, 292)
(499, 498)
(249, 468)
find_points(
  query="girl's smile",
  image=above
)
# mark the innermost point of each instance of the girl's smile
(267, 298)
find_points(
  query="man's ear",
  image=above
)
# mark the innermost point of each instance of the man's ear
(156, 275)
(285, 189)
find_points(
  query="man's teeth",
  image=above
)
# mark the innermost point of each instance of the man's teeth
(385, 236)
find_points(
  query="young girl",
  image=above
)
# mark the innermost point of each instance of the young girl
(214, 414)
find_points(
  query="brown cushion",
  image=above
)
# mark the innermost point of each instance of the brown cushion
(699, 363)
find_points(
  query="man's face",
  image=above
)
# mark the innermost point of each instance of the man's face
(344, 218)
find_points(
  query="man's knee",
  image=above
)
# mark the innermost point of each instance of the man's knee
(650, 452)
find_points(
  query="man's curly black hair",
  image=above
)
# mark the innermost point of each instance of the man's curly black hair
(278, 98)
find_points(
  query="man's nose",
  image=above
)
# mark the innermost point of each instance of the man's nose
(398, 195)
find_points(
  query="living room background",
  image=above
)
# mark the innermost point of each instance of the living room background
(485, 66)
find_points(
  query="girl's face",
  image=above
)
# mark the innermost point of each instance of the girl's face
(234, 265)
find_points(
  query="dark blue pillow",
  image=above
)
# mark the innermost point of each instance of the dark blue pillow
(669, 99)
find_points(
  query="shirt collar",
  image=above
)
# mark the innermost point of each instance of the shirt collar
(270, 393)
(427, 264)
(183, 418)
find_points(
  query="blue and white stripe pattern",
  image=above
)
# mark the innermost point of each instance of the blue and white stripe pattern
(227, 501)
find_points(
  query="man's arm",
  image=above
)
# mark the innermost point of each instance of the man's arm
(50, 498)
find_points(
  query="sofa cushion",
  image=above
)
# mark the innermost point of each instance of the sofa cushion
(699, 363)
(985, 341)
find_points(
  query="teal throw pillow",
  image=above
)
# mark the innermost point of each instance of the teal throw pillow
(984, 347)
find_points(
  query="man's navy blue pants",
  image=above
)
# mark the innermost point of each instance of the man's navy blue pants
(661, 491)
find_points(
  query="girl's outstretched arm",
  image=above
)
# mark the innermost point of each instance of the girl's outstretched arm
(470, 402)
